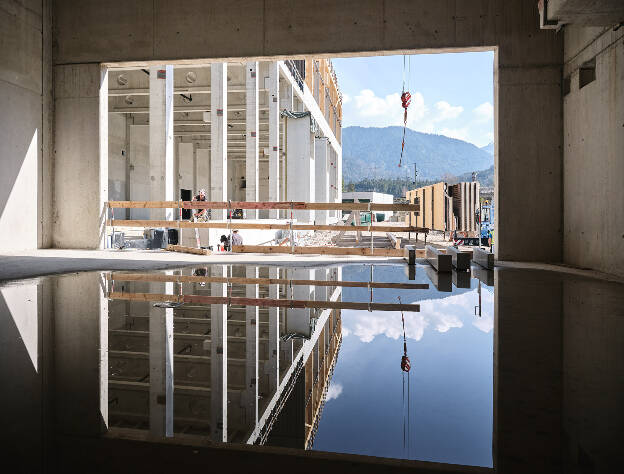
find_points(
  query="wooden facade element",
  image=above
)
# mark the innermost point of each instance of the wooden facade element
(446, 207)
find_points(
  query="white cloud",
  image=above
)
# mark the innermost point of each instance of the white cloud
(459, 133)
(334, 391)
(440, 315)
(345, 331)
(371, 110)
(484, 112)
(367, 109)
(447, 111)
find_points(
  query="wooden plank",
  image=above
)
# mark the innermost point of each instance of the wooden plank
(160, 277)
(319, 206)
(364, 251)
(483, 257)
(144, 204)
(261, 302)
(237, 224)
(442, 262)
(459, 259)
(182, 249)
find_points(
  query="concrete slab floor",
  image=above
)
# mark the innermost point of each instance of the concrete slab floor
(17, 264)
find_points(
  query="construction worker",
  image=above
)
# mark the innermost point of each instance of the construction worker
(201, 214)
(237, 239)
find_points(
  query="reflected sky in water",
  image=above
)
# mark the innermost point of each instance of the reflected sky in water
(451, 353)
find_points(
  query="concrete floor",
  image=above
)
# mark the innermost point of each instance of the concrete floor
(16, 264)
(33, 263)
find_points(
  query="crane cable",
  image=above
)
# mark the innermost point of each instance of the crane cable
(405, 367)
(406, 99)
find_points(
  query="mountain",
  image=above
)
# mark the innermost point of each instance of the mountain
(485, 177)
(374, 152)
(489, 148)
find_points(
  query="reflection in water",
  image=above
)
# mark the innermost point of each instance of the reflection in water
(525, 375)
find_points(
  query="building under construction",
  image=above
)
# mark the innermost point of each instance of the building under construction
(446, 207)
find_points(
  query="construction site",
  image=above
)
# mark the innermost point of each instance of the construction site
(185, 281)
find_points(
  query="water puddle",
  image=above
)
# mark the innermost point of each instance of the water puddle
(313, 358)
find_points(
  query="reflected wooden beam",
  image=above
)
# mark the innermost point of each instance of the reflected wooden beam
(262, 302)
(118, 276)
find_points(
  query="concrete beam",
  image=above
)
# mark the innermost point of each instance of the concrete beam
(459, 259)
(161, 139)
(483, 257)
(219, 139)
(440, 261)
(252, 137)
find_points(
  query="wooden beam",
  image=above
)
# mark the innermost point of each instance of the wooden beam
(364, 251)
(182, 249)
(160, 277)
(262, 302)
(298, 205)
(238, 224)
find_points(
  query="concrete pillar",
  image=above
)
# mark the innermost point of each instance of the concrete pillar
(161, 139)
(252, 131)
(274, 135)
(298, 320)
(273, 362)
(251, 350)
(533, 153)
(322, 189)
(161, 365)
(81, 146)
(218, 360)
(301, 169)
(218, 137)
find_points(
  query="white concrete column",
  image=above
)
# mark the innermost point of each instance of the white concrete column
(301, 168)
(251, 350)
(81, 150)
(297, 319)
(218, 137)
(218, 359)
(273, 362)
(161, 365)
(322, 189)
(252, 133)
(161, 139)
(274, 137)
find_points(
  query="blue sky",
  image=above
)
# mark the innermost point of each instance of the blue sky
(451, 393)
(452, 94)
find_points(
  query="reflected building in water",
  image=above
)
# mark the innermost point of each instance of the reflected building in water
(229, 371)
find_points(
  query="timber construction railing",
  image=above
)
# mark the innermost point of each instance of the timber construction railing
(291, 226)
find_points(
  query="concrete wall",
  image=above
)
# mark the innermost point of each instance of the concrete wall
(528, 153)
(593, 166)
(25, 124)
